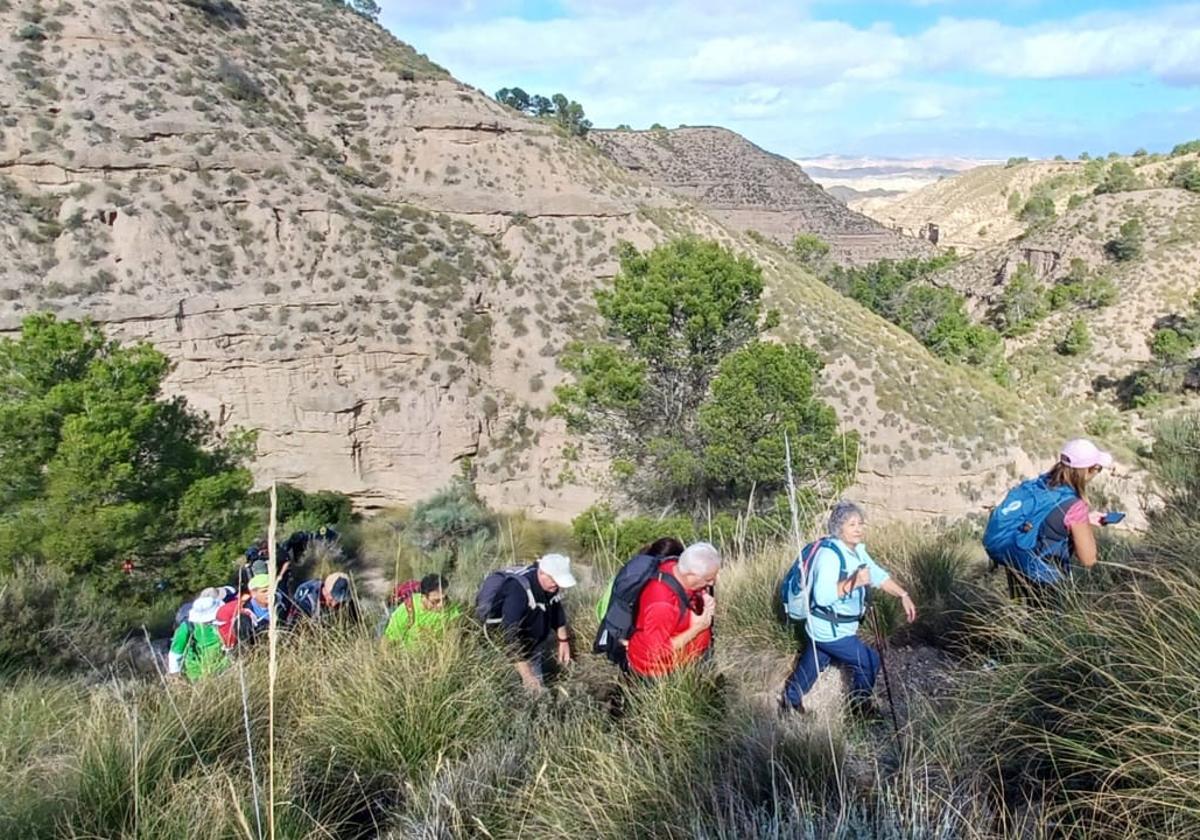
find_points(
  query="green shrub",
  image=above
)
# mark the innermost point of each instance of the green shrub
(1078, 339)
(1176, 463)
(30, 32)
(238, 83)
(450, 521)
(1021, 305)
(1187, 176)
(97, 468)
(1120, 177)
(684, 319)
(811, 251)
(1038, 210)
(1127, 245)
(1190, 147)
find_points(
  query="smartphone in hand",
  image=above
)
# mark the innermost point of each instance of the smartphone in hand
(1112, 517)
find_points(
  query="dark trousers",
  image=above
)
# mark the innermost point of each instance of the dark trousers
(815, 657)
(1031, 593)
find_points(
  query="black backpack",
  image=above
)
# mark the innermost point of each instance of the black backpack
(487, 602)
(612, 639)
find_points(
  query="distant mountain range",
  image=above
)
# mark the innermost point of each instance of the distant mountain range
(850, 178)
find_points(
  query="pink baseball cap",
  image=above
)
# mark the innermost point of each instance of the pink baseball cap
(1081, 453)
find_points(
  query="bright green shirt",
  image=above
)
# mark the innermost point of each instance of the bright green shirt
(423, 622)
(198, 648)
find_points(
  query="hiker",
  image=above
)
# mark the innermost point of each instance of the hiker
(1043, 522)
(660, 549)
(421, 614)
(196, 648)
(295, 546)
(257, 561)
(674, 612)
(842, 570)
(224, 594)
(319, 599)
(243, 618)
(525, 604)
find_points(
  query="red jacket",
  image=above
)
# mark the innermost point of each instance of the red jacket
(650, 652)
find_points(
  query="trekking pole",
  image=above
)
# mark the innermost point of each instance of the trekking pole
(799, 546)
(887, 683)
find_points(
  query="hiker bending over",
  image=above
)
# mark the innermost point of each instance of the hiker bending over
(323, 600)
(421, 614)
(1045, 521)
(257, 560)
(243, 618)
(841, 572)
(526, 605)
(196, 647)
(674, 614)
(660, 549)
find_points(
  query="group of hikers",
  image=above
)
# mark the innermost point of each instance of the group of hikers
(657, 613)
(222, 619)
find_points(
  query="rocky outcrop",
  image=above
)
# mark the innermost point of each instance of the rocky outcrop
(750, 189)
(1043, 264)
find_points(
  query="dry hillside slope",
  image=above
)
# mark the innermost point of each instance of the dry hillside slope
(1157, 284)
(377, 266)
(748, 188)
(971, 210)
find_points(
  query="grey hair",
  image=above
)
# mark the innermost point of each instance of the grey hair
(699, 559)
(840, 514)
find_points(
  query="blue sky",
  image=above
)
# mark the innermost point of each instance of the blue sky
(892, 78)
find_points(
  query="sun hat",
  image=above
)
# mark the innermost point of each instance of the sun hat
(204, 610)
(558, 566)
(1081, 453)
(260, 582)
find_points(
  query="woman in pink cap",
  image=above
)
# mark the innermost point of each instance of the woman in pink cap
(1080, 462)
(1045, 522)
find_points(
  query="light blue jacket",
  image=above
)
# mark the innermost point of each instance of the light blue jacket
(826, 572)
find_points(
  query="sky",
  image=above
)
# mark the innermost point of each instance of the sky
(888, 78)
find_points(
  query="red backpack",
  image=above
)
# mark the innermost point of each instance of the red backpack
(227, 621)
(404, 591)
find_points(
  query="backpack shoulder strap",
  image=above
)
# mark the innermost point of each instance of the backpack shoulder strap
(522, 578)
(676, 589)
(190, 644)
(831, 543)
(412, 609)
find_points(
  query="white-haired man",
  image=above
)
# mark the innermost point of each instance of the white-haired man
(675, 612)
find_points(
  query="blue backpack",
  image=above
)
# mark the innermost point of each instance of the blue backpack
(1013, 537)
(795, 592)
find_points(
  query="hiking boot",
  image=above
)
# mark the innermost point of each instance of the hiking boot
(786, 709)
(866, 710)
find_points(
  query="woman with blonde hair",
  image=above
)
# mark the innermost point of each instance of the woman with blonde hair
(1045, 522)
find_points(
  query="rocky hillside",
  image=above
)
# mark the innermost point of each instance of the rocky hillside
(750, 189)
(377, 266)
(1154, 285)
(971, 210)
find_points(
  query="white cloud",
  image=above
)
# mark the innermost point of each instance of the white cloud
(712, 61)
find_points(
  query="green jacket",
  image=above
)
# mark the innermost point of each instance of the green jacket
(407, 626)
(198, 649)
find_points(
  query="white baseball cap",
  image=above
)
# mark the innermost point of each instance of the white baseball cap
(1081, 453)
(558, 566)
